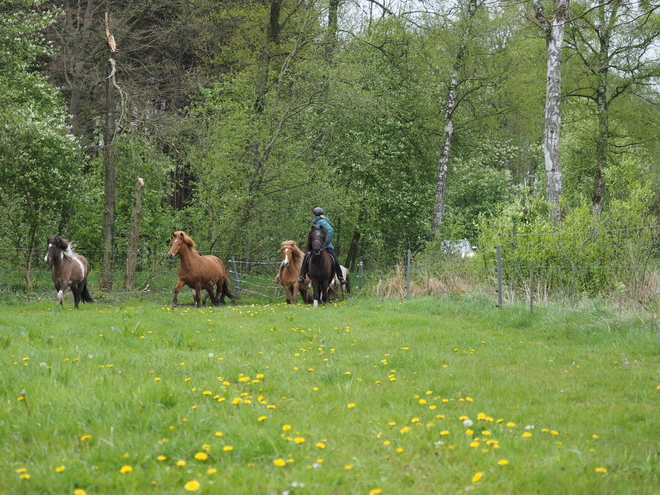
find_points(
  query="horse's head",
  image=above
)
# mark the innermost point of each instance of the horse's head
(57, 246)
(316, 242)
(179, 240)
(288, 249)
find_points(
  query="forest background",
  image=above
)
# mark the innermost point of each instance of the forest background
(409, 122)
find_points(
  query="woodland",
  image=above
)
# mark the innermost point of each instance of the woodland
(410, 122)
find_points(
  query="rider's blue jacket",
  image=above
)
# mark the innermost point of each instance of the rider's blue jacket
(330, 232)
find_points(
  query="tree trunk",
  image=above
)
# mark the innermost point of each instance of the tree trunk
(110, 180)
(554, 32)
(452, 104)
(110, 174)
(604, 31)
(134, 237)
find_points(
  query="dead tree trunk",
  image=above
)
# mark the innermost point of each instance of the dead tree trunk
(110, 166)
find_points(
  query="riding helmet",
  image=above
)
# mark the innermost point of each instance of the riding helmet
(318, 211)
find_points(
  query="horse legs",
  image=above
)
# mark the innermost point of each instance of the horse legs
(179, 284)
(198, 295)
(76, 294)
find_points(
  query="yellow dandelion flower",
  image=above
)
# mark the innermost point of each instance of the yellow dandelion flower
(601, 470)
(227, 448)
(262, 418)
(299, 439)
(59, 469)
(84, 437)
(503, 462)
(201, 456)
(25, 476)
(279, 462)
(444, 432)
(375, 491)
(351, 405)
(286, 427)
(348, 466)
(181, 463)
(79, 491)
(477, 477)
(192, 486)
(510, 425)
(161, 457)
(526, 434)
(126, 469)
(218, 433)
(320, 445)
(211, 470)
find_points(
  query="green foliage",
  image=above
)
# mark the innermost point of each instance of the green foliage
(584, 254)
(39, 159)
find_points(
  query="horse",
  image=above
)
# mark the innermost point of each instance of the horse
(69, 269)
(321, 269)
(334, 287)
(198, 272)
(292, 258)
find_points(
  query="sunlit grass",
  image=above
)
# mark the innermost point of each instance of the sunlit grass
(431, 396)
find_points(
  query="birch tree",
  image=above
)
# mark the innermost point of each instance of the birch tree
(553, 25)
(452, 104)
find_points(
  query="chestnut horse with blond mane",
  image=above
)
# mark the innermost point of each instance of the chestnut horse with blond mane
(198, 272)
(292, 258)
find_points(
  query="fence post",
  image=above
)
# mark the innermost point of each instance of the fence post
(499, 276)
(408, 269)
(531, 288)
(237, 283)
(360, 265)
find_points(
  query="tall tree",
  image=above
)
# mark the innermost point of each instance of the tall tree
(554, 27)
(467, 22)
(613, 40)
(110, 182)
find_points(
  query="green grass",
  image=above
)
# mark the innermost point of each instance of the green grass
(353, 398)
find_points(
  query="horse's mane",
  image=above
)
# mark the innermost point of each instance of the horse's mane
(311, 231)
(67, 248)
(191, 244)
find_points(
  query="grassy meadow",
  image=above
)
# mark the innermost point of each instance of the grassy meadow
(367, 396)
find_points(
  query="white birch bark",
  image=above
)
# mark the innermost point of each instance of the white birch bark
(554, 30)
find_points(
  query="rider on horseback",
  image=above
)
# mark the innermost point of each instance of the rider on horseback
(322, 220)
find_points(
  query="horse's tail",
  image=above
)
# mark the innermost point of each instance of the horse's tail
(224, 292)
(84, 296)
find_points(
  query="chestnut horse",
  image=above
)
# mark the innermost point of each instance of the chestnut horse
(292, 258)
(198, 272)
(320, 270)
(69, 269)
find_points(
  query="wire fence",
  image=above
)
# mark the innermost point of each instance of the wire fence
(501, 266)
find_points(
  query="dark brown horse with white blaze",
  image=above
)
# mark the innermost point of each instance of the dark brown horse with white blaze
(198, 272)
(292, 258)
(321, 270)
(69, 269)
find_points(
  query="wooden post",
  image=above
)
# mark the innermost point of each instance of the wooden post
(134, 236)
